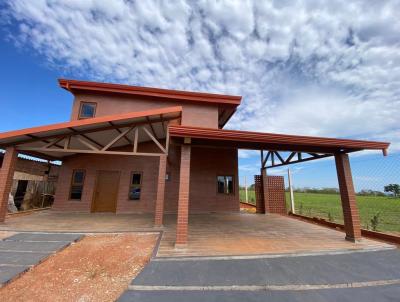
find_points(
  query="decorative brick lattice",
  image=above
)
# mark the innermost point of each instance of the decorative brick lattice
(276, 195)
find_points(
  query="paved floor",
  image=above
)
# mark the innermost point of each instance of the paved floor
(209, 234)
(351, 276)
(21, 251)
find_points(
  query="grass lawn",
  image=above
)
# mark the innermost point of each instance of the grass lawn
(320, 205)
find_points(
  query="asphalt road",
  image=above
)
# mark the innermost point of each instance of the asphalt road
(353, 276)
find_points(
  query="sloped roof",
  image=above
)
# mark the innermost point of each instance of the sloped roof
(272, 141)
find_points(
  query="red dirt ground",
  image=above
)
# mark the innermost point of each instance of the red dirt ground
(97, 268)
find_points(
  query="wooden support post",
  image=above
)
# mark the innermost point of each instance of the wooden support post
(6, 179)
(183, 201)
(159, 210)
(348, 198)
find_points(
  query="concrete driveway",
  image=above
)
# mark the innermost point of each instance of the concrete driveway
(345, 276)
(21, 251)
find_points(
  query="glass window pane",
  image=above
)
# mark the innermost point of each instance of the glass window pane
(76, 192)
(134, 193)
(78, 177)
(221, 184)
(229, 187)
(87, 110)
(136, 178)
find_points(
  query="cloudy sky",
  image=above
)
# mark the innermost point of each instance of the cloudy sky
(326, 68)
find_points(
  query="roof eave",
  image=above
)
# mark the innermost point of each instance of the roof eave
(75, 85)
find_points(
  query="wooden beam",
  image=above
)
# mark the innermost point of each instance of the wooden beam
(154, 140)
(35, 138)
(86, 137)
(272, 159)
(119, 131)
(290, 157)
(151, 127)
(301, 160)
(162, 123)
(86, 143)
(135, 143)
(167, 142)
(113, 141)
(88, 151)
(52, 143)
(279, 157)
(67, 142)
(266, 159)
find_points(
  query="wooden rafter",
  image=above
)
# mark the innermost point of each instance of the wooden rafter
(154, 140)
(119, 131)
(300, 158)
(114, 140)
(87, 151)
(45, 139)
(87, 143)
(151, 127)
(86, 137)
(94, 149)
(162, 122)
(279, 157)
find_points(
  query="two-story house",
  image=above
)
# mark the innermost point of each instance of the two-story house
(131, 149)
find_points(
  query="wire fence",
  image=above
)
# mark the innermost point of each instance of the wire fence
(375, 178)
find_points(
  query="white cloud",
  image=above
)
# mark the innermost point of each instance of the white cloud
(328, 68)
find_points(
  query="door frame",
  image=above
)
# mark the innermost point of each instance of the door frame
(95, 188)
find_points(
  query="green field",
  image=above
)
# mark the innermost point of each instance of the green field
(325, 205)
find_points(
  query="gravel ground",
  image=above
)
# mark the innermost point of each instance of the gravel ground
(97, 268)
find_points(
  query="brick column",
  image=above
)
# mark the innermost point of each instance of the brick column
(183, 202)
(260, 207)
(6, 179)
(159, 210)
(264, 183)
(348, 198)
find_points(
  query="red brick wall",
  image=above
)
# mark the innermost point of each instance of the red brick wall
(193, 114)
(32, 167)
(206, 164)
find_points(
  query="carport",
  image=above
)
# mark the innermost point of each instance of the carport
(275, 150)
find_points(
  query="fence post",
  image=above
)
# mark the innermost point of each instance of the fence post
(291, 192)
(245, 189)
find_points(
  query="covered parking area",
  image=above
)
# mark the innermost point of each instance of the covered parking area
(275, 150)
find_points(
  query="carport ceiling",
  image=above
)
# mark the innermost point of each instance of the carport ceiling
(92, 135)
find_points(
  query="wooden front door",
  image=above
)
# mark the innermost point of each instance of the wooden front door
(106, 191)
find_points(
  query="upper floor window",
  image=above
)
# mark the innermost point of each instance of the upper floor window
(225, 184)
(87, 110)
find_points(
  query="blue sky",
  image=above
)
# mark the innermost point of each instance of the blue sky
(325, 68)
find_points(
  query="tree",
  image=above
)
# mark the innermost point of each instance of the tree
(393, 188)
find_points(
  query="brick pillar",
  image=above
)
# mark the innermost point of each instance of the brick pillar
(183, 202)
(260, 207)
(348, 198)
(159, 211)
(264, 183)
(6, 179)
